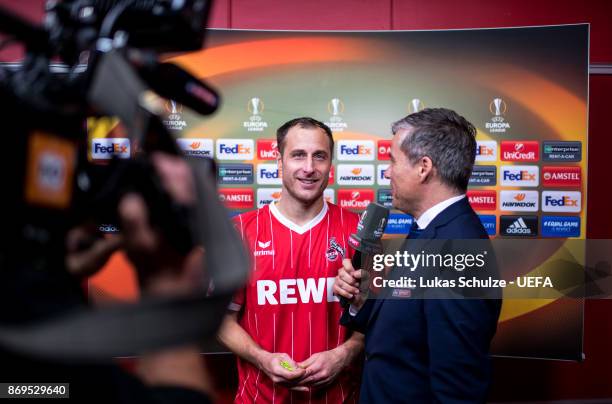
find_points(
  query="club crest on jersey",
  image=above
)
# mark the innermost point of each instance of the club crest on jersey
(334, 250)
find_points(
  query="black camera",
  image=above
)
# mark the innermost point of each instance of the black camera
(108, 51)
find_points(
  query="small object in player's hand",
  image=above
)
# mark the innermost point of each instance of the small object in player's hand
(286, 365)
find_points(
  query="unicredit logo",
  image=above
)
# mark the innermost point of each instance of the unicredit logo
(357, 199)
(267, 149)
(520, 150)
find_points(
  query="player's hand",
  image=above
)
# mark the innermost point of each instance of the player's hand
(323, 368)
(347, 284)
(280, 368)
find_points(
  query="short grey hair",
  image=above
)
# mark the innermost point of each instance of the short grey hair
(444, 136)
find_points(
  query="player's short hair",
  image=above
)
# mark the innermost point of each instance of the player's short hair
(306, 123)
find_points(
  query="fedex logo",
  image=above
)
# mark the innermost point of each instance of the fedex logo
(356, 150)
(288, 291)
(107, 148)
(380, 175)
(520, 150)
(268, 174)
(524, 176)
(384, 149)
(486, 150)
(235, 149)
(558, 201)
(267, 149)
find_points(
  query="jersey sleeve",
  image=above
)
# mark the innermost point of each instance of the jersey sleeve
(240, 296)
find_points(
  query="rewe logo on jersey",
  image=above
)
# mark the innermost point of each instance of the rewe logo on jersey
(288, 291)
(357, 150)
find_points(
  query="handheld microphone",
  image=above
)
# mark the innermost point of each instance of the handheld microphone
(367, 239)
(171, 82)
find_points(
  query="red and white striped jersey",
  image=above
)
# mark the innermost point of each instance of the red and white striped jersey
(288, 305)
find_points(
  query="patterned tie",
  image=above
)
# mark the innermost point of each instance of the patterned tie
(415, 232)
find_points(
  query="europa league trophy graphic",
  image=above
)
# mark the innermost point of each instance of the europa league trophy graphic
(416, 104)
(173, 109)
(497, 102)
(335, 102)
(255, 106)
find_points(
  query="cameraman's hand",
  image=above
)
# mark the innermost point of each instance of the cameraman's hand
(87, 251)
(161, 269)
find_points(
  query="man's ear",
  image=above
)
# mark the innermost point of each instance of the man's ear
(425, 168)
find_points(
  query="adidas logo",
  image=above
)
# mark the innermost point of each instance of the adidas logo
(518, 227)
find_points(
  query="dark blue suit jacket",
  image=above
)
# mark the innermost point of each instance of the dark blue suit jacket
(429, 350)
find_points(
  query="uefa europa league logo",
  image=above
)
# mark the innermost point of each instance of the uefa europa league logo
(173, 109)
(498, 107)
